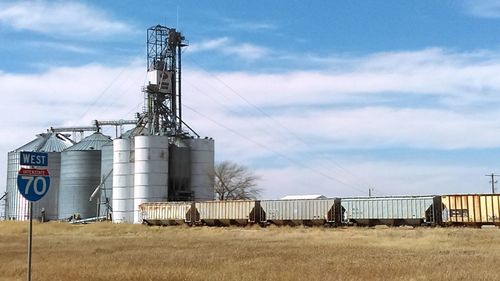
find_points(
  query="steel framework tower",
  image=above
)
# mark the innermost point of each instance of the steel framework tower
(163, 110)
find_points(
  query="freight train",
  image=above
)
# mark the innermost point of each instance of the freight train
(444, 210)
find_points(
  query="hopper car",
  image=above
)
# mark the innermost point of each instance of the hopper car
(432, 210)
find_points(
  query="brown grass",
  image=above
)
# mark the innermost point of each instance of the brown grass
(135, 252)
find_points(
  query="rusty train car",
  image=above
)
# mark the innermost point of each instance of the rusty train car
(470, 209)
(444, 210)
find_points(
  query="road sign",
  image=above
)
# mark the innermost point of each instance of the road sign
(29, 158)
(33, 184)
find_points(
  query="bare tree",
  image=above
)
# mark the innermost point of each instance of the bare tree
(233, 182)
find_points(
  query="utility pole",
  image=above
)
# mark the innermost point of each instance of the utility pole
(5, 206)
(370, 190)
(492, 181)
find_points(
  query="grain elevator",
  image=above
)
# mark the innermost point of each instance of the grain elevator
(160, 158)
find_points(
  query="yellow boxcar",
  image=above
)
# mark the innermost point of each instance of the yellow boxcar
(471, 209)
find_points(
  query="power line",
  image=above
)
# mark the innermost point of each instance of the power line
(128, 89)
(102, 93)
(229, 109)
(277, 122)
(215, 101)
(290, 132)
(493, 181)
(273, 151)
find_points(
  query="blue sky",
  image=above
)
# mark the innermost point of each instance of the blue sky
(288, 29)
(323, 97)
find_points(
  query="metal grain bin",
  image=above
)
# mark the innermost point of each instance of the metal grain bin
(123, 181)
(301, 211)
(202, 168)
(16, 207)
(123, 176)
(165, 213)
(240, 212)
(401, 210)
(471, 209)
(80, 175)
(150, 171)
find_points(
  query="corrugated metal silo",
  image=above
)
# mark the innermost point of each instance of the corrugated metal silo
(80, 175)
(123, 186)
(106, 190)
(50, 201)
(151, 171)
(202, 167)
(16, 205)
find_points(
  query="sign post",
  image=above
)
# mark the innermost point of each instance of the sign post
(30, 239)
(33, 184)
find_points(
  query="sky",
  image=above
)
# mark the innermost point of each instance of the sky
(315, 97)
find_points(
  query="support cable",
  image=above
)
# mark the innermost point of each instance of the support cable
(290, 132)
(102, 93)
(236, 113)
(291, 160)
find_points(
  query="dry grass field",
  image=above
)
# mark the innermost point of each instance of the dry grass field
(105, 251)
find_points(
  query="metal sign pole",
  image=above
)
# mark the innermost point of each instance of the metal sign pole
(33, 184)
(30, 238)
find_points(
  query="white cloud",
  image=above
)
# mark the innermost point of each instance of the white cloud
(483, 8)
(208, 45)
(437, 73)
(67, 96)
(248, 26)
(307, 103)
(251, 26)
(60, 18)
(460, 86)
(387, 178)
(63, 46)
(227, 46)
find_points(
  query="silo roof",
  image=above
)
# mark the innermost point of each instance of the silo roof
(47, 142)
(56, 143)
(92, 142)
(134, 132)
(32, 145)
